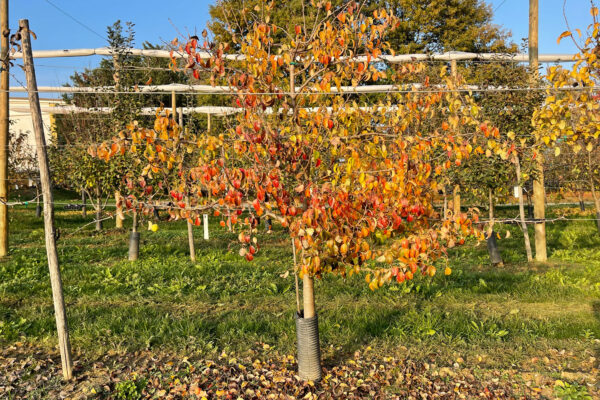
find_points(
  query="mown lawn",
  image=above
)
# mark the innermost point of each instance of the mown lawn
(540, 321)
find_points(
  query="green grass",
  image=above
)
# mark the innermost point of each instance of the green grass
(492, 317)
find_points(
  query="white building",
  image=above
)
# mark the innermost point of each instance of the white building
(20, 117)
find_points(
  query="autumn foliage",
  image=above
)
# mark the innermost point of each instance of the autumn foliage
(353, 183)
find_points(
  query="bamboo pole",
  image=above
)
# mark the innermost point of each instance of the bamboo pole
(398, 58)
(4, 127)
(49, 231)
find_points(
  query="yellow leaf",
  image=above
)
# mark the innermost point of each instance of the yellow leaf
(594, 11)
(546, 139)
(589, 147)
(557, 151)
(562, 36)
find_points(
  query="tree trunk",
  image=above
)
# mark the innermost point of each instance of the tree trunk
(456, 201)
(134, 240)
(307, 333)
(530, 214)
(492, 244)
(119, 207)
(445, 204)
(522, 211)
(84, 207)
(98, 210)
(308, 296)
(190, 231)
(581, 202)
(229, 227)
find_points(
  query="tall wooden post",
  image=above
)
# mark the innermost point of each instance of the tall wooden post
(4, 124)
(40, 142)
(453, 68)
(456, 194)
(539, 197)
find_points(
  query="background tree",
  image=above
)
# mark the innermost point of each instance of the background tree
(423, 26)
(572, 116)
(74, 167)
(22, 164)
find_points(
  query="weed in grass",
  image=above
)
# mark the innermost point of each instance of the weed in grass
(571, 391)
(130, 389)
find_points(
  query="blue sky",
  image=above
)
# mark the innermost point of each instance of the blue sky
(158, 21)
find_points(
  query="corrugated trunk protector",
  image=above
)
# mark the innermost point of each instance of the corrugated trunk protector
(309, 351)
(134, 246)
(494, 252)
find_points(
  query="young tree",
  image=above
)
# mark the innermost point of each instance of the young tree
(353, 184)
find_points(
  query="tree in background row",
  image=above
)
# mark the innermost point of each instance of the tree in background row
(73, 166)
(572, 117)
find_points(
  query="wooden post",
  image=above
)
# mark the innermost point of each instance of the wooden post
(456, 201)
(4, 124)
(453, 68)
(522, 210)
(40, 142)
(174, 105)
(539, 196)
